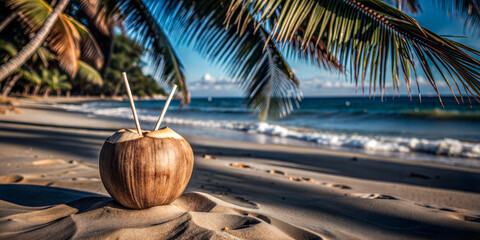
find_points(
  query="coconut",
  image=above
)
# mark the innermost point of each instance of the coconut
(145, 170)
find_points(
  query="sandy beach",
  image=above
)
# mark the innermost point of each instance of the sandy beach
(50, 188)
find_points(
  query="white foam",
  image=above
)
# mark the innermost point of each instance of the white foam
(445, 147)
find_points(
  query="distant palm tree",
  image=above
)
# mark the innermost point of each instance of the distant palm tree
(133, 16)
(68, 38)
(24, 71)
(26, 53)
(54, 81)
(41, 59)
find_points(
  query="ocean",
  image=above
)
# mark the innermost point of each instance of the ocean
(393, 127)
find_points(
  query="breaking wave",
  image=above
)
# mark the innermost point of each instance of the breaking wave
(445, 147)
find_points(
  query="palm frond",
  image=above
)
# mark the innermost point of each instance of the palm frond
(36, 10)
(468, 10)
(314, 52)
(89, 73)
(45, 55)
(90, 50)
(8, 47)
(270, 87)
(144, 28)
(66, 37)
(412, 6)
(29, 74)
(41, 54)
(374, 38)
(61, 40)
(64, 41)
(55, 80)
(64, 85)
(103, 14)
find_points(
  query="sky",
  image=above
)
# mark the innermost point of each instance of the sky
(208, 79)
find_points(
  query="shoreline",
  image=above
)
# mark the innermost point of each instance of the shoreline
(301, 191)
(82, 99)
(252, 132)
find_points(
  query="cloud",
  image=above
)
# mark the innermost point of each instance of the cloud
(327, 86)
(335, 85)
(207, 78)
(424, 83)
(322, 83)
(208, 85)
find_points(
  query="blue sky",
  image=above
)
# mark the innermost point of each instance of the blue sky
(207, 79)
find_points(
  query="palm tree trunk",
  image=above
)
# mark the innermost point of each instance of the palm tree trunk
(8, 87)
(117, 89)
(47, 91)
(27, 51)
(26, 90)
(67, 94)
(399, 5)
(36, 89)
(7, 20)
(59, 92)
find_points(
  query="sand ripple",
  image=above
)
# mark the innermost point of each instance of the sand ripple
(193, 215)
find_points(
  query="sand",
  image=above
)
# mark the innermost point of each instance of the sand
(50, 188)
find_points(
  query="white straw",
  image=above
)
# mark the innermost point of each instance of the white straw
(129, 92)
(165, 107)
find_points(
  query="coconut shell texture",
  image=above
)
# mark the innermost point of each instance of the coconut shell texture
(145, 171)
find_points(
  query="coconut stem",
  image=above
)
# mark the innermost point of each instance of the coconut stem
(129, 92)
(165, 107)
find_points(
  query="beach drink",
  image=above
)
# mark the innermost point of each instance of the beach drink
(142, 169)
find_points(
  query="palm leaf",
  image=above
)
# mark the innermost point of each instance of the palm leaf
(412, 6)
(29, 74)
(88, 73)
(45, 55)
(55, 80)
(24, 70)
(65, 38)
(272, 88)
(8, 47)
(35, 10)
(62, 82)
(374, 38)
(104, 15)
(314, 52)
(64, 85)
(469, 10)
(164, 62)
(90, 50)
(269, 85)
(61, 40)
(64, 41)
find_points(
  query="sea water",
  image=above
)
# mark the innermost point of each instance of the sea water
(401, 127)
